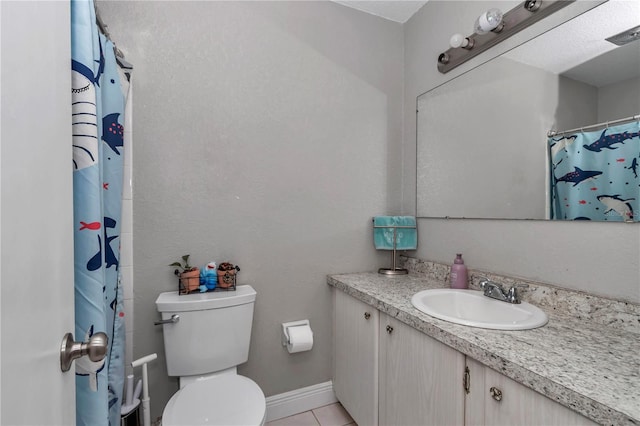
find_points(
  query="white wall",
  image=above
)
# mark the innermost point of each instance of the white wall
(266, 134)
(619, 100)
(602, 258)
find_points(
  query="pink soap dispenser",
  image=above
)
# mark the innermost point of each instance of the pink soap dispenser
(459, 273)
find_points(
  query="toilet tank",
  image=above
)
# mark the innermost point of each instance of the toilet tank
(213, 332)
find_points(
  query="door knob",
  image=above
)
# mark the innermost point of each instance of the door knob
(95, 348)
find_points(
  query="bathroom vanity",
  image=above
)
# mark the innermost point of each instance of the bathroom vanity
(395, 365)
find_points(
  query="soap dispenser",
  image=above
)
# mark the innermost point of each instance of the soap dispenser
(459, 273)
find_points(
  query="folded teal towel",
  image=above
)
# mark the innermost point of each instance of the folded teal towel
(406, 238)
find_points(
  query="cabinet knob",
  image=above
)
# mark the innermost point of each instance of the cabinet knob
(367, 315)
(389, 329)
(495, 393)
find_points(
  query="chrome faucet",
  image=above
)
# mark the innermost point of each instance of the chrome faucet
(497, 291)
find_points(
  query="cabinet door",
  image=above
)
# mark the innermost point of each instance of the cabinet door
(518, 405)
(355, 365)
(420, 378)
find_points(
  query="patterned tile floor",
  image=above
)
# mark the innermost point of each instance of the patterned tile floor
(329, 415)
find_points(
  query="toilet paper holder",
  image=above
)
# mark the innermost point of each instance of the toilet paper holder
(285, 329)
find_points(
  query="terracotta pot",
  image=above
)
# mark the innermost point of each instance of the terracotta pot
(190, 280)
(226, 279)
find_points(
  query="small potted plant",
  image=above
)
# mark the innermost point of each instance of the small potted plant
(227, 275)
(189, 275)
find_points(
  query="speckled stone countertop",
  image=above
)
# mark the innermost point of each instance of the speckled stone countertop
(589, 367)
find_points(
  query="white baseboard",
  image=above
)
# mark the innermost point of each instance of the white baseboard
(300, 400)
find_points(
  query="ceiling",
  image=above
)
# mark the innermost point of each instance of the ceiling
(394, 10)
(582, 39)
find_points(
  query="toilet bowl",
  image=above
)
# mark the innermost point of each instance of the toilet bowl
(207, 338)
(222, 400)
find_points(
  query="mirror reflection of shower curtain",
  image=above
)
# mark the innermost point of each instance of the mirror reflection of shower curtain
(594, 175)
(98, 151)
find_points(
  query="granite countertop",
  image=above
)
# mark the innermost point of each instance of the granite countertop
(590, 368)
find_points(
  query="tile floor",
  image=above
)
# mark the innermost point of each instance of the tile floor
(329, 415)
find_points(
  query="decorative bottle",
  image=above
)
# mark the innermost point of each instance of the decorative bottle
(459, 273)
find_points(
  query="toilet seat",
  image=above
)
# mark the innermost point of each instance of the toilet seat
(221, 400)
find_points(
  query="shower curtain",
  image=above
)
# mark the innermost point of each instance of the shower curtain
(594, 175)
(98, 111)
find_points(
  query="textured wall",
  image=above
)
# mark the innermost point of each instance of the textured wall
(619, 100)
(266, 134)
(597, 257)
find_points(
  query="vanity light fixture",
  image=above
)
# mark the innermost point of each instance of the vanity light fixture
(625, 37)
(458, 40)
(492, 27)
(491, 20)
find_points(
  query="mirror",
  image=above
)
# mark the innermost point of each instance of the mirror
(482, 148)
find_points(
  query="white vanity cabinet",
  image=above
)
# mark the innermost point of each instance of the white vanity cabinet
(355, 360)
(388, 373)
(420, 378)
(495, 399)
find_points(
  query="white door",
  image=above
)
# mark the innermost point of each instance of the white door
(36, 268)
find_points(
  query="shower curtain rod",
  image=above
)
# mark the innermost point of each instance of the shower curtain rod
(552, 133)
(119, 55)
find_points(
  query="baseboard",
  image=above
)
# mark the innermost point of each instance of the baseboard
(300, 400)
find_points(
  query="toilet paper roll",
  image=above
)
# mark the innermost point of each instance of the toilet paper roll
(300, 339)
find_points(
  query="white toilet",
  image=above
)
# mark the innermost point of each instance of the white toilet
(203, 347)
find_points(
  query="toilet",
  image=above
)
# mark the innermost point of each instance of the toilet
(203, 347)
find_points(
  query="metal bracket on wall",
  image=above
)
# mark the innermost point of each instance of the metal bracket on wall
(515, 20)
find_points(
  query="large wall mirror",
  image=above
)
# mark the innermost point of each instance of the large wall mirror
(482, 148)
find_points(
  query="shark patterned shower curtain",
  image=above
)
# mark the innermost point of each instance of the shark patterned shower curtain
(98, 111)
(594, 175)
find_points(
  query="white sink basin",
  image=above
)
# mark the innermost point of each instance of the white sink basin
(473, 308)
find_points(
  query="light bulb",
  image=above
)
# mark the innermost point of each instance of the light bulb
(458, 40)
(487, 21)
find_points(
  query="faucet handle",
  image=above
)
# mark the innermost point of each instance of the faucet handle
(512, 294)
(486, 282)
(483, 282)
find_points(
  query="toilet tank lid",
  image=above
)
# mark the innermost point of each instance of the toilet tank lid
(171, 301)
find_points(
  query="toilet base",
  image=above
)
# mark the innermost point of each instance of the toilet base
(223, 400)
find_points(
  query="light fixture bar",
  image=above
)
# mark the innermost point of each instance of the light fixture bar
(515, 20)
(625, 37)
